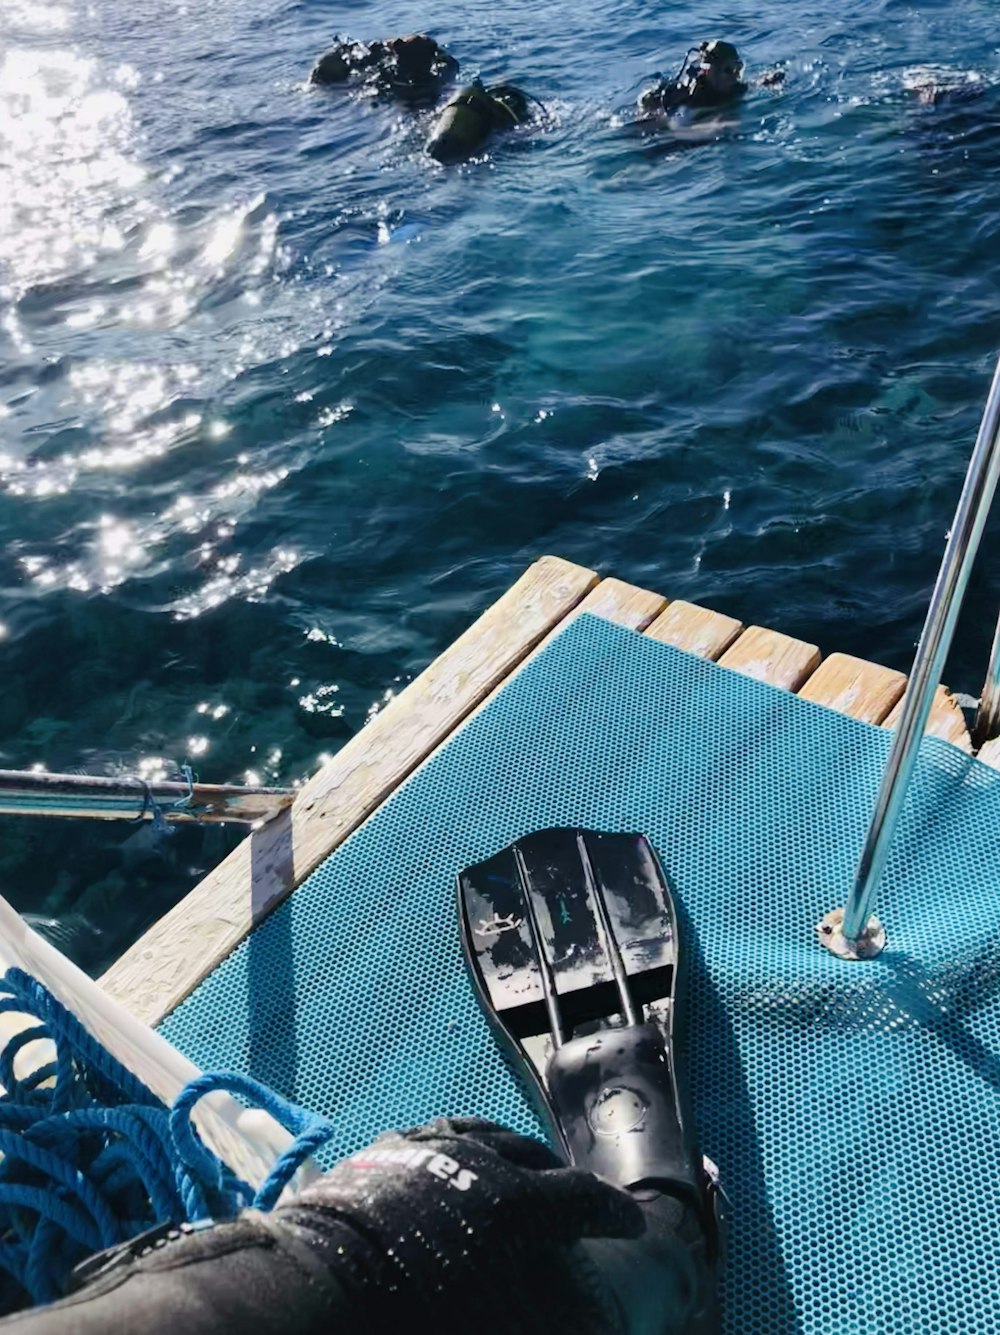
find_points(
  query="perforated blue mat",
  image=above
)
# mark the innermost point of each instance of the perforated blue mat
(852, 1108)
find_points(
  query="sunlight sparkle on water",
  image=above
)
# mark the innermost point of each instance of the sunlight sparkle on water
(320, 701)
(112, 557)
(228, 232)
(65, 155)
(159, 243)
(153, 769)
(118, 540)
(127, 393)
(224, 239)
(249, 484)
(37, 18)
(252, 584)
(329, 416)
(318, 636)
(214, 711)
(90, 315)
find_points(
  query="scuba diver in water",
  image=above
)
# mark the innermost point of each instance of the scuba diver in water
(932, 86)
(461, 1224)
(471, 117)
(710, 77)
(413, 67)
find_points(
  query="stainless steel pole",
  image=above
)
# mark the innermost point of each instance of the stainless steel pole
(935, 641)
(987, 722)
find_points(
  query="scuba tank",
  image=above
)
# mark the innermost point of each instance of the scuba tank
(470, 118)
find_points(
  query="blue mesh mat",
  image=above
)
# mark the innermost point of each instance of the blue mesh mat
(853, 1109)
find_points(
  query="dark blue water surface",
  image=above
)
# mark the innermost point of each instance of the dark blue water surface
(284, 404)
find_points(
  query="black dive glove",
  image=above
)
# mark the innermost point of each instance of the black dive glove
(454, 1227)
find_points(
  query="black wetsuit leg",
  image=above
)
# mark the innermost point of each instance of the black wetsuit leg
(454, 1227)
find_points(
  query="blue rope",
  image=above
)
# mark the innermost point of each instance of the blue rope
(185, 801)
(91, 1157)
(310, 1133)
(149, 803)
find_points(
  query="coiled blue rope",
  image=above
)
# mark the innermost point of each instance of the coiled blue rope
(91, 1157)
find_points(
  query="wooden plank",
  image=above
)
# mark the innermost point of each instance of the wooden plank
(771, 656)
(176, 953)
(854, 686)
(946, 720)
(614, 600)
(989, 753)
(699, 630)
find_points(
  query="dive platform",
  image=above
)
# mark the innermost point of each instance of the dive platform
(187, 943)
(852, 1107)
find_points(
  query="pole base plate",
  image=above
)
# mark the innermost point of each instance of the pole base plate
(870, 943)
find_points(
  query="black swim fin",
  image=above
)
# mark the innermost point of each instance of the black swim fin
(571, 940)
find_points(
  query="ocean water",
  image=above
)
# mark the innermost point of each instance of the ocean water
(284, 404)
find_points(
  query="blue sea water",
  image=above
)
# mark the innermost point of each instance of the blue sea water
(284, 404)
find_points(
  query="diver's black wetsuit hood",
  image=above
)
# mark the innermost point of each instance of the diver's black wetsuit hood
(711, 76)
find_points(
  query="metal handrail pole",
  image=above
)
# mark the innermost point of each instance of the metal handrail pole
(103, 797)
(987, 720)
(928, 664)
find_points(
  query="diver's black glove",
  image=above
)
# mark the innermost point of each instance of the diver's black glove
(464, 1217)
(456, 1226)
(466, 1223)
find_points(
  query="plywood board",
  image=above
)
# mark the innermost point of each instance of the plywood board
(624, 604)
(989, 753)
(946, 720)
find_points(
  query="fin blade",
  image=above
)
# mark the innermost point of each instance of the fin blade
(624, 875)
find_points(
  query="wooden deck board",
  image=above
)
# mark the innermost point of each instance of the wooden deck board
(176, 953)
(989, 753)
(946, 720)
(855, 687)
(614, 600)
(699, 630)
(771, 656)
